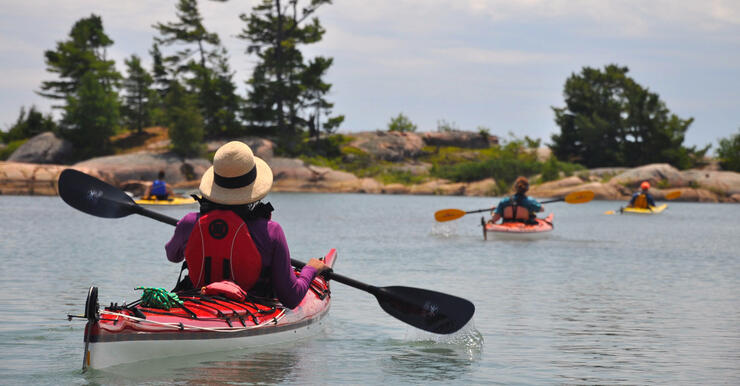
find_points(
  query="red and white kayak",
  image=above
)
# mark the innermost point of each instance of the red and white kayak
(520, 230)
(131, 333)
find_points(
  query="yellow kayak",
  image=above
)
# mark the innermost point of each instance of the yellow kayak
(169, 201)
(652, 210)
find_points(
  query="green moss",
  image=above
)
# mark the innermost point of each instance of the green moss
(400, 177)
(12, 147)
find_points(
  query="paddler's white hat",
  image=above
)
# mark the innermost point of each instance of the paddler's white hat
(237, 177)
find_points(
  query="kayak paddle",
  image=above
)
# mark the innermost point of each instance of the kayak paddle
(669, 196)
(428, 310)
(579, 197)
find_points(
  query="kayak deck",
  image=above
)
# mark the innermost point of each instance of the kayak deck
(131, 333)
(520, 230)
(652, 210)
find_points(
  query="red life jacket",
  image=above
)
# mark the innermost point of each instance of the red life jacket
(221, 248)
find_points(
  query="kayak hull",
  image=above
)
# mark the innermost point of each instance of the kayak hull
(110, 353)
(652, 210)
(170, 201)
(118, 335)
(521, 231)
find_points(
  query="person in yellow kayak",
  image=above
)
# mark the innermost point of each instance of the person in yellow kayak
(159, 189)
(233, 238)
(642, 199)
(518, 207)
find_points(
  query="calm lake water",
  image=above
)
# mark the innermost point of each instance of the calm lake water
(607, 299)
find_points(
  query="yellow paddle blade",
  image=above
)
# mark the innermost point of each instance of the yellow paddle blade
(579, 197)
(448, 214)
(673, 195)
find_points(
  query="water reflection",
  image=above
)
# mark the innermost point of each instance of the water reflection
(249, 367)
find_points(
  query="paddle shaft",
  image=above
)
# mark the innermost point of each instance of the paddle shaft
(342, 279)
(154, 215)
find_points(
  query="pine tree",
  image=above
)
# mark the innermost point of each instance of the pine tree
(90, 117)
(184, 121)
(197, 64)
(610, 120)
(29, 124)
(139, 96)
(279, 99)
(314, 98)
(85, 51)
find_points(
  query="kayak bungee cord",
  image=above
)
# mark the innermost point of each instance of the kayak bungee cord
(161, 299)
(182, 326)
(158, 298)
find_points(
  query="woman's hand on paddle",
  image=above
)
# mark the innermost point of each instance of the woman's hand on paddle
(318, 265)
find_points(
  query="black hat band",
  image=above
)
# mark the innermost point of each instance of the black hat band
(236, 182)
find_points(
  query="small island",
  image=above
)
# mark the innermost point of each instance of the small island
(376, 162)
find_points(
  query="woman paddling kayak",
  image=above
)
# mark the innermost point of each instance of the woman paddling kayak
(233, 238)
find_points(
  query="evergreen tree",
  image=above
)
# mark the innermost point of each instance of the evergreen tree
(161, 85)
(729, 152)
(29, 124)
(229, 104)
(402, 124)
(610, 120)
(196, 65)
(184, 121)
(315, 90)
(90, 117)
(84, 52)
(139, 97)
(278, 97)
(159, 71)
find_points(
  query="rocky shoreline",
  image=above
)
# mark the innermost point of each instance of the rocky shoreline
(132, 172)
(293, 175)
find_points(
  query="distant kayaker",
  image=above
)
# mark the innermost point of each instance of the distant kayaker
(233, 237)
(518, 207)
(642, 199)
(160, 189)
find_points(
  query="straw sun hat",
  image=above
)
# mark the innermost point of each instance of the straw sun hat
(237, 177)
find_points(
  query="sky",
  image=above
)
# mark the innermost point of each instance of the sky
(498, 64)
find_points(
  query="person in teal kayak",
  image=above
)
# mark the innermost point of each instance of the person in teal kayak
(233, 237)
(642, 199)
(518, 207)
(159, 189)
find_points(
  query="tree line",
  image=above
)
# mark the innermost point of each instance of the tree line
(190, 88)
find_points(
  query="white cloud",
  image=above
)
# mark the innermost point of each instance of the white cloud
(492, 57)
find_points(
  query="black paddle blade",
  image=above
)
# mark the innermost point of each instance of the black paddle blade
(93, 196)
(428, 310)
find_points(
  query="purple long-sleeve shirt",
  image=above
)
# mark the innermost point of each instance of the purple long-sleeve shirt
(270, 240)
